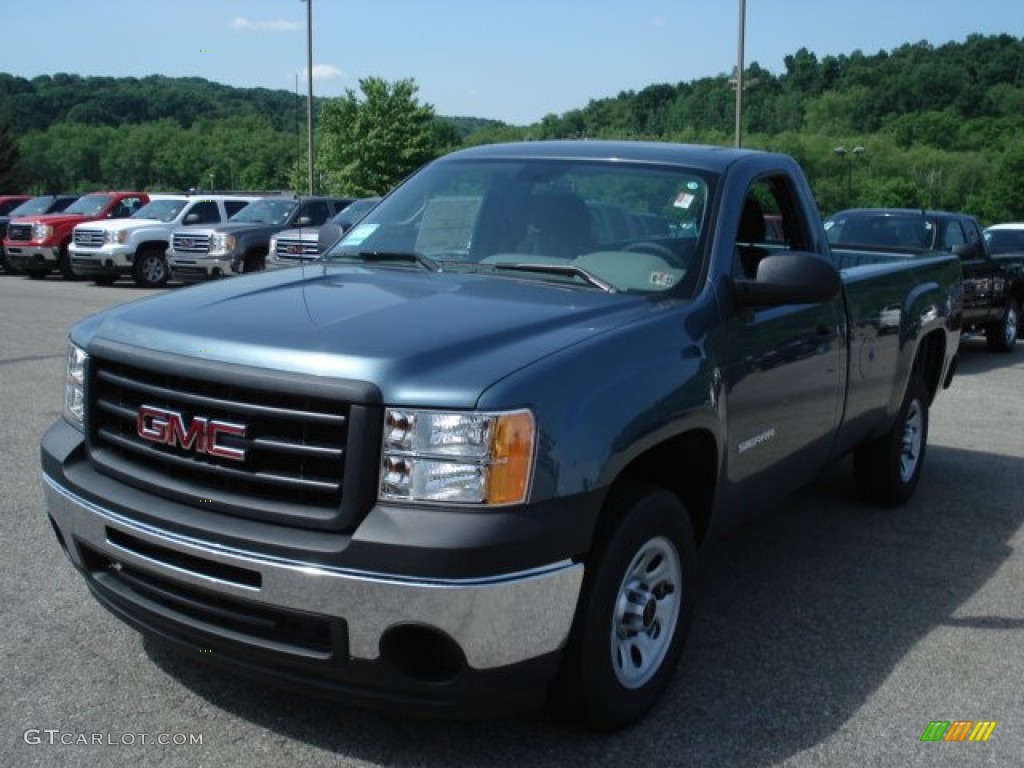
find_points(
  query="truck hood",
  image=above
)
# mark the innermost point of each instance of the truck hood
(420, 337)
(306, 234)
(116, 225)
(237, 227)
(54, 219)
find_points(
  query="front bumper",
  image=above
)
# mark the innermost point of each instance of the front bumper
(195, 269)
(456, 646)
(32, 257)
(107, 262)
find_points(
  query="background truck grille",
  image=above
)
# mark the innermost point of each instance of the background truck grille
(189, 243)
(296, 444)
(19, 232)
(296, 249)
(90, 238)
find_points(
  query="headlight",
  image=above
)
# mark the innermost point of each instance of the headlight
(273, 246)
(462, 458)
(221, 244)
(74, 386)
(119, 237)
(41, 231)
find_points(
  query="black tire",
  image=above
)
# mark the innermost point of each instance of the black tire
(634, 612)
(64, 264)
(37, 274)
(888, 468)
(254, 262)
(1002, 335)
(150, 269)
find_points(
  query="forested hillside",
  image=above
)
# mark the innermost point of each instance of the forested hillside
(934, 126)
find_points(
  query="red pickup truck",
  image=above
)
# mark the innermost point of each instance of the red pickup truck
(37, 244)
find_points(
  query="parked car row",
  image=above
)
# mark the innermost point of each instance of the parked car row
(992, 259)
(104, 236)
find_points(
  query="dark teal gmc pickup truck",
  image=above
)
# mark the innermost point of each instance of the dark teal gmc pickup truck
(462, 463)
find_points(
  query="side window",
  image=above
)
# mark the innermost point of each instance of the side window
(954, 235)
(317, 212)
(769, 222)
(126, 207)
(234, 206)
(207, 212)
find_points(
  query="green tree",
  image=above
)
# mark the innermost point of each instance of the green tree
(10, 177)
(370, 144)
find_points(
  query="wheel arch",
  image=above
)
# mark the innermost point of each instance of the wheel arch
(686, 465)
(929, 362)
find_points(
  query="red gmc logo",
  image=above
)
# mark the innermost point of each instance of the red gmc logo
(201, 435)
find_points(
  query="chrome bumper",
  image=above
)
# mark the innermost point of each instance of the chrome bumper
(496, 621)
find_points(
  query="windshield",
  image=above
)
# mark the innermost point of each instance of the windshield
(267, 211)
(161, 210)
(1005, 240)
(34, 206)
(595, 224)
(90, 205)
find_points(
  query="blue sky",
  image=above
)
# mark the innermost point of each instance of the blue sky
(515, 60)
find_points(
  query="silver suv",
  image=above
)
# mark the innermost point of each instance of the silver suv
(136, 246)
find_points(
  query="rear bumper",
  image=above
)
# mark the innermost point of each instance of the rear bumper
(455, 646)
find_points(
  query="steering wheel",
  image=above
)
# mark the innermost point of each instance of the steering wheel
(657, 249)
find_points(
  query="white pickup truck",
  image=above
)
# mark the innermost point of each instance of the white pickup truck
(103, 251)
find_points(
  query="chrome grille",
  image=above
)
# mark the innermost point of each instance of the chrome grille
(190, 243)
(296, 249)
(19, 232)
(294, 444)
(89, 238)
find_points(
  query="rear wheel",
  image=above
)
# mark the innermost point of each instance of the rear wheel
(150, 270)
(634, 613)
(1002, 335)
(889, 467)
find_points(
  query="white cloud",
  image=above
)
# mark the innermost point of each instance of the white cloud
(272, 25)
(324, 72)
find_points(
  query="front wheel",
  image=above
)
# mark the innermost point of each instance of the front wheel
(64, 264)
(1002, 335)
(888, 468)
(150, 268)
(634, 613)
(254, 262)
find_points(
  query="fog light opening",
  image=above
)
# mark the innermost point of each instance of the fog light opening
(423, 653)
(60, 536)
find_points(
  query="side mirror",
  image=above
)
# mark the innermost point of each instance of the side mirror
(792, 277)
(328, 235)
(969, 250)
(192, 218)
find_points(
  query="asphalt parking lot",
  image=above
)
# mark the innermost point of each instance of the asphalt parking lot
(829, 633)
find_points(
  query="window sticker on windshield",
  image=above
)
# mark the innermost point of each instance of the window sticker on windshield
(684, 200)
(662, 279)
(360, 233)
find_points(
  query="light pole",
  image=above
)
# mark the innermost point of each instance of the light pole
(848, 155)
(739, 72)
(309, 84)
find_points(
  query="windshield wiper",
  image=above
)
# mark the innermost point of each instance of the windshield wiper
(413, 256)
(572, 270)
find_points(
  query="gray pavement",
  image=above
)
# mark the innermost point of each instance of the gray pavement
(829, 633)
